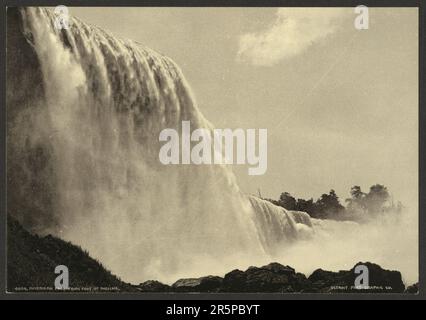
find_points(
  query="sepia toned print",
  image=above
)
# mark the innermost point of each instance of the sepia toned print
(212, 150)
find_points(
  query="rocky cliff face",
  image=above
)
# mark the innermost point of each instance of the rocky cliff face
(31, 261)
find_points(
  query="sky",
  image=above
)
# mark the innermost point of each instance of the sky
(340, 104)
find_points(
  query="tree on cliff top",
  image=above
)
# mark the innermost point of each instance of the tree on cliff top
(359, 206)
(328, 205)
(376, 199)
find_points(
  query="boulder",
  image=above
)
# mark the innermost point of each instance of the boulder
(380, 280)
(153, 286)
(413, 289)
(273, 277)
(235, 281)
(203, 284)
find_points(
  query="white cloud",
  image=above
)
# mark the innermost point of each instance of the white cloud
(293, 31)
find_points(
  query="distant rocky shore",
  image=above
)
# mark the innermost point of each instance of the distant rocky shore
(32, 259)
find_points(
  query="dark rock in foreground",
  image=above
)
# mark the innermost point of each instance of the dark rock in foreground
(32, 259)
(380, 280)
(413, 289)
(153, 286)
(277, 278)
(203, 284)
(271, 278)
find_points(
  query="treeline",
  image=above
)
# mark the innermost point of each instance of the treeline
(360, 206)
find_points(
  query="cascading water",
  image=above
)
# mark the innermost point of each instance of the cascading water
(278, 226)
(94, 133)
(84, 112)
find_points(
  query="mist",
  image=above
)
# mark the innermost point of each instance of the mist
(94, 137)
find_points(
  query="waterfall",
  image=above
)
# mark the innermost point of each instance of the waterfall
(278, 226)
(84, 113)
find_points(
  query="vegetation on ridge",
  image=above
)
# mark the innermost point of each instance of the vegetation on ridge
(360, 206)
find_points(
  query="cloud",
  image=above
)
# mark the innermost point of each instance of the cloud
(293, 31)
